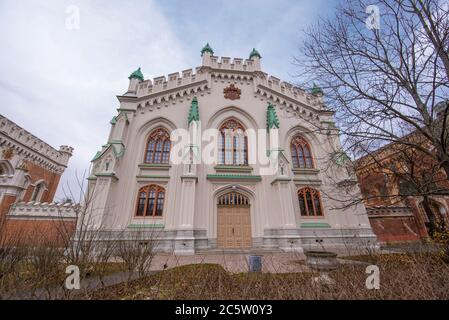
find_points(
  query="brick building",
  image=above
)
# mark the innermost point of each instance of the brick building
(30, 171)
(389, 182)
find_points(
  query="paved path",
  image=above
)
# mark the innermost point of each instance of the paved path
(271, 262)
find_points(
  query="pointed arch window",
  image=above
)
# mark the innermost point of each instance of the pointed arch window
(232, 144)
(301, 154)
(310, 202)
(158, 147)
(38, 192)
(150, 201)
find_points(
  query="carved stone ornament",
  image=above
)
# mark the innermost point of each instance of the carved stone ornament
(232, 92)
(7, 153)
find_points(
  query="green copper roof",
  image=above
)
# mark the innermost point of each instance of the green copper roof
(194, 114)
(254, 53)
(137, 74)
(272, 118)
(316, 89)
(207, 48)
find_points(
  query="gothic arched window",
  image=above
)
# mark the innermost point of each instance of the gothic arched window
(38, 191)
(310, 202)
(232, 144)
(158, 147)
(150, 201)
(301, 154)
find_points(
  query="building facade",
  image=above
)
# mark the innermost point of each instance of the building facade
(397, 189)
(30, 171)
(232, 203)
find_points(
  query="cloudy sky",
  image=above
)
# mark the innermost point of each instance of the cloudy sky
(59, 82)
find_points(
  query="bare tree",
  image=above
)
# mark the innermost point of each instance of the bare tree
(385, 78)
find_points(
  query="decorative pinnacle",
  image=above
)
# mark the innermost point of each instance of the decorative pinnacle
(255, 53)
(207, 48)
(316, 90)
(137, 75)
(272, 118)
(194, 114)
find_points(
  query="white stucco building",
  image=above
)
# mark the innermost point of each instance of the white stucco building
(229, 204)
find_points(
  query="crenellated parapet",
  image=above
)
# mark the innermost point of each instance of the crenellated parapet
(172, 82)
(30, 148)
(44, 210)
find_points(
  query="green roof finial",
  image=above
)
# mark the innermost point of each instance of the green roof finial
(272, 118)
(194, 114)
(254, 53)
(137, 75)
(207, 48)
(316, 89)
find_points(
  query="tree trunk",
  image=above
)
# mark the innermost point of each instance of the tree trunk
(430, 216)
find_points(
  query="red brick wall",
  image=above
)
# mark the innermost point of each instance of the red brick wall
(54, 232)
(393, 229)
(51, 180)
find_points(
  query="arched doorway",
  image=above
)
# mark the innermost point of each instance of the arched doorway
(234, 221)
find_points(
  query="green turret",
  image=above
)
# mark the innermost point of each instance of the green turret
(136, 75)
(255, 53)
(207, 48)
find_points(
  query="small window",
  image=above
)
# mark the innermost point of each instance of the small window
(310, 202)
(38, 192)
(150, 201)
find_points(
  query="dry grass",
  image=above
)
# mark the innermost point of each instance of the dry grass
(402, 276)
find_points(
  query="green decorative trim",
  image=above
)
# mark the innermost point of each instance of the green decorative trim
(315, 225)
(137, 75)
(194, 114)
(92, 178)
(140, 226)
(281, 180)
(207, 48)
(152, 176)
(340, 158)
(97, 155)
(107, 175)
(254, 53)
(272, 118)
(316, 90)
(113, 144)
(114, 120)
(125, 110)
(155, 166)
(227, 168)
(233, 177)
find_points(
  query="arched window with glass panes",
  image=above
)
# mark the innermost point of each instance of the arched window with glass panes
(158, 147)
(150, 201)
(301, 154)
(232, 144)
(310, 202)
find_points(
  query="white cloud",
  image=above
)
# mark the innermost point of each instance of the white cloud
(60, 84)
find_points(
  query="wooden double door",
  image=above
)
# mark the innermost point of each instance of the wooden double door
(234, 226)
